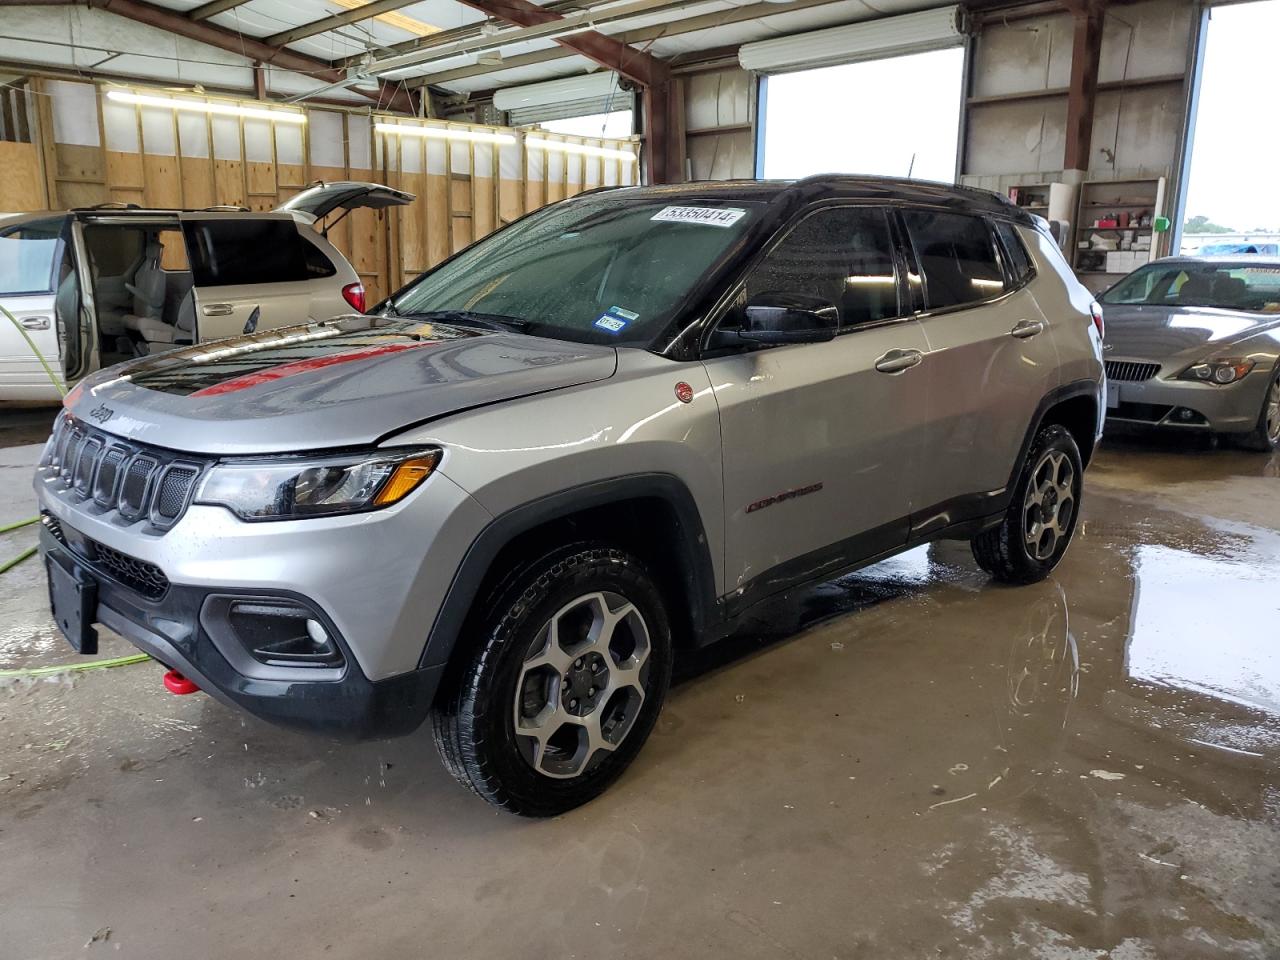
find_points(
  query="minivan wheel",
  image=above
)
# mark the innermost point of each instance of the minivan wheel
(565, 685)
(1265, 436)
(1041, 518)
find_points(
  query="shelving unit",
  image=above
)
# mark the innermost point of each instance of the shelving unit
(1049, 200)
(1129, 209)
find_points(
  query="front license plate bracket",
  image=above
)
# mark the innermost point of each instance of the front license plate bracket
(73, 600)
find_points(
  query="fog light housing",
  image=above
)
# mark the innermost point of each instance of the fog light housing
(280, 633)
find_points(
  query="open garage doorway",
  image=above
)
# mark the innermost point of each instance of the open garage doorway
(1232, 202)
(898, 116)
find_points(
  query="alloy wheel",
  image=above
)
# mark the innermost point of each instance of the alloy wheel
(1273, 411)
(582, 685)
(1050, 504)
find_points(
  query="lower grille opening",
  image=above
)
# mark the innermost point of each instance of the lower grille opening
(146, 578)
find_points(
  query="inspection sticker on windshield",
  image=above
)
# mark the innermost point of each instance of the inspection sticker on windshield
(611, 324)
(711, 216)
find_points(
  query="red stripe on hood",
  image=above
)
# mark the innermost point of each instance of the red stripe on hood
(305, 366)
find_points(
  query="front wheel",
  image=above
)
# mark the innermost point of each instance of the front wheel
(564, 685)
(1041, 518)
(1265, 436)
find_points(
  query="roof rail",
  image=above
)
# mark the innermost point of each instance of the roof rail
(112, 205)
(225, 208)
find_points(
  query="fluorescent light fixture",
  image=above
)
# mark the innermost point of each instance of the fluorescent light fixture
(856, 42)
(582, 148)
(200, 106)
(444, 133)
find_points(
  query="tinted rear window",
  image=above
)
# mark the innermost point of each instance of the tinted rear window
(957, 256)
(1016, 255)
(226, 252)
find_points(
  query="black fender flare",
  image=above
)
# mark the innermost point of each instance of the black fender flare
(692, 553)
(1067, 391)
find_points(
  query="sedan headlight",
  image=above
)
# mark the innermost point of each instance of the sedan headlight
(293, 489)
(1220, 371)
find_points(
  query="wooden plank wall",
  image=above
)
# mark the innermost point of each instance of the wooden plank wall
(97, 150)
(472, 188)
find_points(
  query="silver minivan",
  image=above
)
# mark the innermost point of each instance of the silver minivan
(94, 287)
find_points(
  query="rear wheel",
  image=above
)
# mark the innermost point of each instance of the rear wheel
(565, 685)
(1041, 518)
(1265, 437)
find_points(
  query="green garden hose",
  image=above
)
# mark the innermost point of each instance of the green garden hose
(75, 667)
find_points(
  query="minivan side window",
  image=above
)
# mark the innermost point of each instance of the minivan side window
(1016, 256)
(844, 255)
(957, 255)
(244, 250)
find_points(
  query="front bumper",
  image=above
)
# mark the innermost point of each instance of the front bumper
(1185, 405)
(174, 629)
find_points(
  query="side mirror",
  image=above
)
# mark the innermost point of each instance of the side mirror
(789, 318)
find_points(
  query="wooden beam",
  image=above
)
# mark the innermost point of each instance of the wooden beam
(640, 35)
(388, 97)
(609, 52)
(213, 8)
(369, 10)
(1082, 93)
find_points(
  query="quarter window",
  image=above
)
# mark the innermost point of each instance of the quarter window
(245, 250)
(957, 255)
(1015, 252)
(842, 254)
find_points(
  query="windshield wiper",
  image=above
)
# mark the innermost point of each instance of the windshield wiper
(469, 318)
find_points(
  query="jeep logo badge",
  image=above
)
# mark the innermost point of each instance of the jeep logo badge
(102, 413)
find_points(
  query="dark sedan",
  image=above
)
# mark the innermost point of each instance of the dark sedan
(1193, 344)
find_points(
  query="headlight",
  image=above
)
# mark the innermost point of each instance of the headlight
(292, 489)
(1220, 371)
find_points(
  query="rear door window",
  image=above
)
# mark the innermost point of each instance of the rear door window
(235, 251)
(957, 255)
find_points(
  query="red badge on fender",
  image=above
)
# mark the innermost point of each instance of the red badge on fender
(684, 392)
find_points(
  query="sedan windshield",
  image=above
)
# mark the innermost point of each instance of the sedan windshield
(1254, 288)
(595, 271)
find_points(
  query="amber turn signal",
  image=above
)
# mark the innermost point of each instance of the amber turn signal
(405, 479)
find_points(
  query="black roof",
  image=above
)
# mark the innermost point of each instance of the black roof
(824, 186)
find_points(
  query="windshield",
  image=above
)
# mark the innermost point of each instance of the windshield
(29, 256)
(1247, 287)
(595, 271)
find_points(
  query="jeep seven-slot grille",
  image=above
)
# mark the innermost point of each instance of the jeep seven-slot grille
(1131, 371)
(123, 481)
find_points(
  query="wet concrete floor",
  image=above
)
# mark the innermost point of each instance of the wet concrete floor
(909, 763)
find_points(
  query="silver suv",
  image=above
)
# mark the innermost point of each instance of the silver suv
(599, 436)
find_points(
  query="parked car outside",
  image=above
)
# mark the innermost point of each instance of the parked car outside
(602, 434)
(1193, 344)
(97, 286)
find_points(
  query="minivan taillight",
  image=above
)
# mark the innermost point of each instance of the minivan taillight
(1095, 309)
(353, 293)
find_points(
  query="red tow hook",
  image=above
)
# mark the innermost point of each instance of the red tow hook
(178, 684)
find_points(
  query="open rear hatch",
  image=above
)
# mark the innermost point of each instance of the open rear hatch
(321, 199)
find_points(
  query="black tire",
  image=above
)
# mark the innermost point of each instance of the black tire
(1004, 551)
(1264, 437)
(475, 717)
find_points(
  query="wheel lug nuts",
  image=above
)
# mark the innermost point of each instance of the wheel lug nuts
(572, 704)
(578, 663)
(591, 692)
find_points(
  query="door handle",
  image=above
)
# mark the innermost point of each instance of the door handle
(1027, 328)
(895, 361)
(35, 323)
(218, 309)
